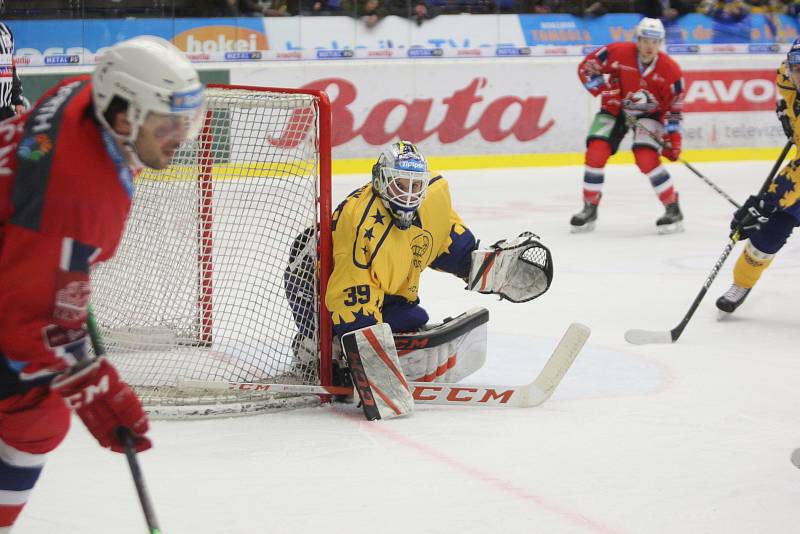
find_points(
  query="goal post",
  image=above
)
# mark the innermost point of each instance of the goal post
(201, 286)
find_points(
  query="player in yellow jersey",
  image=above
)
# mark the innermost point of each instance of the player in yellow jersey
(768, 220)
(390, 230)
(385, 234)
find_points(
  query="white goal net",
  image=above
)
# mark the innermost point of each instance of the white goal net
(199, 288)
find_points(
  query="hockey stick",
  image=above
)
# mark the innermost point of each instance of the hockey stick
(642, 337)
(125, 436)
(262, 388)
(533, 394)
(632, 123)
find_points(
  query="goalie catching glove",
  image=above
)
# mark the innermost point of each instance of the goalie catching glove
(518, 269)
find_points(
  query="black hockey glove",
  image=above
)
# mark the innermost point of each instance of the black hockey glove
(749, 218)
(780, 109)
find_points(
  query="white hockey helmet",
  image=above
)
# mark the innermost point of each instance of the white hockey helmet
(152, 76)
(650, 29)
(400, 178)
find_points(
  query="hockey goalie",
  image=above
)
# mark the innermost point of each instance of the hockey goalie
(384, 235)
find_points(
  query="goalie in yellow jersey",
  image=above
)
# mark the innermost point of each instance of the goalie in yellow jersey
(391, 229)
(768, 220)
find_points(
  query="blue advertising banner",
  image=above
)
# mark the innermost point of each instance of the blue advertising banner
(86, 37)
(51, 42)
(690, 29)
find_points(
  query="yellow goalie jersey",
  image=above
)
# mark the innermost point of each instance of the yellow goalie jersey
(374, 260)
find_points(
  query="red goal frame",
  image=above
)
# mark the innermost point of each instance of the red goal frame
(324, 211)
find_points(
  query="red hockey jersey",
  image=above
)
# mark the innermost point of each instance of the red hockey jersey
(65, 193)
(663, 78)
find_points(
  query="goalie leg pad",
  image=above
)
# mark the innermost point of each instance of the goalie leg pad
(447, 352)
(518, 269)
(376, 372)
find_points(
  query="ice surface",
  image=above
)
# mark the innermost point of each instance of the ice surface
(693, 437)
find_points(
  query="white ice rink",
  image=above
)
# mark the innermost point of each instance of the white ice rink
(693, 437)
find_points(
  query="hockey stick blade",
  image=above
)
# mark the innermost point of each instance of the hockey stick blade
(533, 394)
(647, 337)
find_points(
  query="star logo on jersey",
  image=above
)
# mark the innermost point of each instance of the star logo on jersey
(378, 217)
(368, 234)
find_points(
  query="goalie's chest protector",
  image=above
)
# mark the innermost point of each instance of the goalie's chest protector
(395, 257)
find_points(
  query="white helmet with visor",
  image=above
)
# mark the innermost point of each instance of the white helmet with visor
(400, 178)
(150, 75)
(650, 29)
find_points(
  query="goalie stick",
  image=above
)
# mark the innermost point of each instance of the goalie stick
(644, 337)
(533, 394)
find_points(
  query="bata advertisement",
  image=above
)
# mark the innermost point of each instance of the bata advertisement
(516, 106)
(452, 106)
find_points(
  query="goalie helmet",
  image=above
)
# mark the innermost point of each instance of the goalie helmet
(793, 56)
(400, 178)
(793, 63)
(152, 76)
(650, 29)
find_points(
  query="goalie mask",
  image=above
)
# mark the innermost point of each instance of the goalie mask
(162, 91)
(400, 178)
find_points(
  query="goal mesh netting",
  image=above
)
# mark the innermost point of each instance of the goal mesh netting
(198, 287)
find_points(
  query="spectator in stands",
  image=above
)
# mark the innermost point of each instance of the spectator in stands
(328, 7)
(725, 11)
(250, 8)
(417, 11)
(371, 12)
(666, 10)
(544, 6)
(731, 24)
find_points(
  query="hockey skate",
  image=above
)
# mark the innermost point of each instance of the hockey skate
(584, 221)
(672, 220)
(732, 299)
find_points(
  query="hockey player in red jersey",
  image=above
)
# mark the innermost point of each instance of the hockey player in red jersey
(66, 180)
(635, 82)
